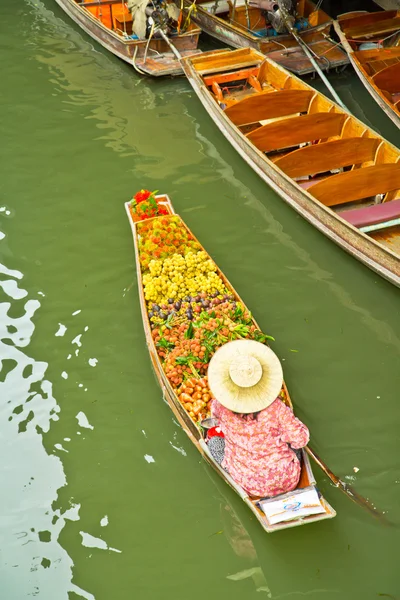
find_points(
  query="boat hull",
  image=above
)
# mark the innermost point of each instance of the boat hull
(366, 80)
(237, 37)
(193, 432)
(130, 50)
(375, 256)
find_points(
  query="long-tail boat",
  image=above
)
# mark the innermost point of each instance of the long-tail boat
(242, 26)
(372, 41)
(186, 419)
(109, 22)
(339, 174)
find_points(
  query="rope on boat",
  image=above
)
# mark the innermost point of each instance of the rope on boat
(369, 40)
(192, 8)
(148, 41)
(134, 63)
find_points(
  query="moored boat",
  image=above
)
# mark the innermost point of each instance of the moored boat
(339, 174)
(171, 261)
(372, 42)
(241, 26)
(109, 22)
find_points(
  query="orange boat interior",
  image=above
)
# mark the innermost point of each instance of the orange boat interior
(237, 12)
(339, 161)
(114, 15)
(382, 62)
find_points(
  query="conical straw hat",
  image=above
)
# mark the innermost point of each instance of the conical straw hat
(245, 376)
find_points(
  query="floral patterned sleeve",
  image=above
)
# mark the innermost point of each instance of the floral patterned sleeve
(294, 432)
(215, 409)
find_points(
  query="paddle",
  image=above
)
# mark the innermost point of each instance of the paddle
(289, 24)
(347, 489)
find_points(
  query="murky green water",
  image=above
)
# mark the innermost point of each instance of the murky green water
(103, 496)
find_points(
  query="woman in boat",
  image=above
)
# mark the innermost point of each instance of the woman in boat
(260, 431)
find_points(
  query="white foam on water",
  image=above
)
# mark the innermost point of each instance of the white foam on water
(83, 420)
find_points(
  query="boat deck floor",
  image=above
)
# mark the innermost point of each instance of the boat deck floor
(294, 59)
(159, 65)
(390, 238)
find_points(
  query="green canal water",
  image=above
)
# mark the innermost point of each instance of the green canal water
(102, 494)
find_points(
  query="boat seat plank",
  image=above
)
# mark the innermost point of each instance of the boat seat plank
(296, 130)
(388, 79)
(373, 29)
(348, 21)
(371, 215)
(217, 62)
(357, 184)
(328, 155)
(268, 105)
(366, 56)
(230, 76)
(380, 226)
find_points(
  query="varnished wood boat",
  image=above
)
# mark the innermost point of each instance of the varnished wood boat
(339, 174)
(109, 22)
(228, 23)
(372, 41)
(195, 433)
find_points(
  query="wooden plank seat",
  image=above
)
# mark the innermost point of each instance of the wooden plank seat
(372, 215)
(377, 54)
(351, 20)
(319, 158)
(373, 29)
(296, 130)
(217, 62)
(388, 79)
(268, 105)
(356, 185)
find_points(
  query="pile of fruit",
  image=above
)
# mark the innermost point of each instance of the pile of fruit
(145, 205)
(178, 276)
(159, 238)
(191, 311)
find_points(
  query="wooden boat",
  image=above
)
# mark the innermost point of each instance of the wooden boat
(196, 433)
(372, 41)
(339, 174)
(109, 22)
(227, 21)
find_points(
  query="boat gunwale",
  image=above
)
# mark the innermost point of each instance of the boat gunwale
(327, 226)
(374, 91)
(184, 419)
(121, 47)
(249, 36)
(128, 42)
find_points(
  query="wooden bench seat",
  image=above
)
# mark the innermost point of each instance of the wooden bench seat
(326, 156)
(371, 215)
(373, 29)
(388, 79)
(296, 130)
(357, 185)
(268, 105)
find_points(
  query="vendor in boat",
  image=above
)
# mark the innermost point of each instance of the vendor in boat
(260, 430)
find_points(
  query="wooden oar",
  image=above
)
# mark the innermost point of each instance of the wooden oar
(347, 489)
(308, 53)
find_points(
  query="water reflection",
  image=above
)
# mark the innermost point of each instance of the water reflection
(29, 527)
(312, 268)
(108, 91)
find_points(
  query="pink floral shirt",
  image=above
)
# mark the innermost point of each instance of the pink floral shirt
(257, 454)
